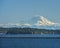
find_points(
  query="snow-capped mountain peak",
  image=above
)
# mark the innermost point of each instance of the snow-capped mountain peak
(44, 21)
(37, 22)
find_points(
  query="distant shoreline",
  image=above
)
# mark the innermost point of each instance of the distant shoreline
(32, 37)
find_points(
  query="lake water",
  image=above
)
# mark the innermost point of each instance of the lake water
(30, 41)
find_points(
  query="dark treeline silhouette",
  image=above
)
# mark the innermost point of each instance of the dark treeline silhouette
(28, 31)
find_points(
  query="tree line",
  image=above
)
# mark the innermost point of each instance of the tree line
(28, 31)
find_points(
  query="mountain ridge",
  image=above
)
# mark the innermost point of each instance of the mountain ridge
(38, 22)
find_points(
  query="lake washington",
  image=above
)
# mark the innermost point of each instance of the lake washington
(30, 41)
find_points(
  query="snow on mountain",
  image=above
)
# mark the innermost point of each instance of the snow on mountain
(36, 22)
(47, 24)
(26, 24)
(43, 21)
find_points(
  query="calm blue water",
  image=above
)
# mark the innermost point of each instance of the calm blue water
(17, 41)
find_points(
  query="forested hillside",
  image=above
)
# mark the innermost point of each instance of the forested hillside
(28, 31)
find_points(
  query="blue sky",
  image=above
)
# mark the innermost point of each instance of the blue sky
(14, 11)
